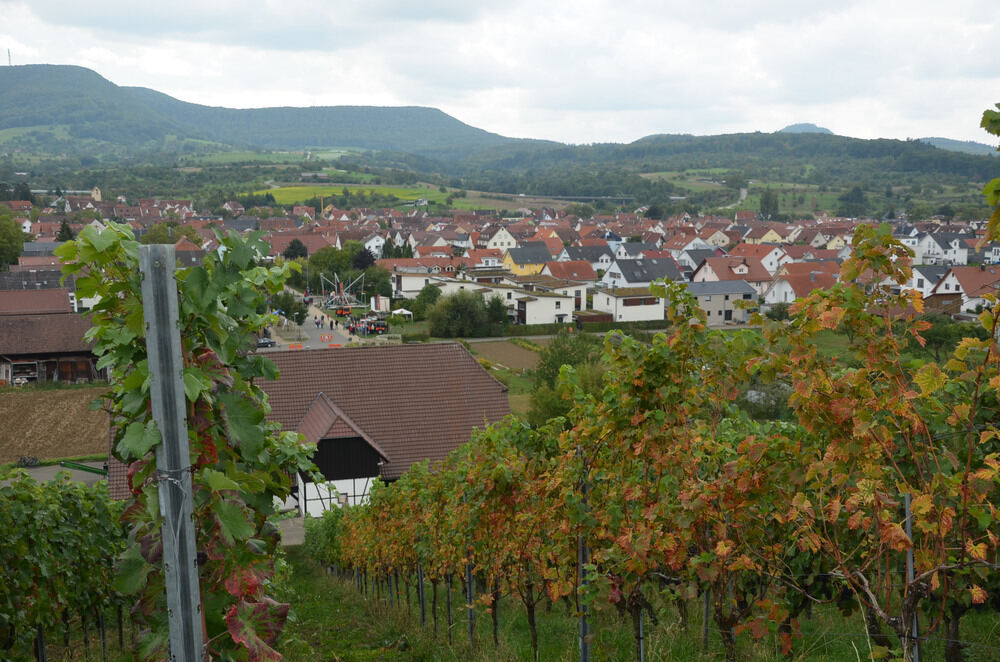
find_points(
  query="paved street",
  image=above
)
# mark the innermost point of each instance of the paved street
(311, 336)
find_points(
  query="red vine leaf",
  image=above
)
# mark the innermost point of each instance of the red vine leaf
(257, 625)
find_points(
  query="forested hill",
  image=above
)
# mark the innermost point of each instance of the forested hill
(55, 110)
(55, 104)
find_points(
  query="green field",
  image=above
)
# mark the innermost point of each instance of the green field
(268, 157)
(289, 195)
(406, 195)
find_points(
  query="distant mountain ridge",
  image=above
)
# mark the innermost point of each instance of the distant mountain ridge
(69, 110)
(805, 127)
(88, 106)
(964, 146)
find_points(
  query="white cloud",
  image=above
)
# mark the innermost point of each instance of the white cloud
(586, 71)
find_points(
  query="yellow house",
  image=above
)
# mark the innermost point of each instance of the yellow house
(837, 242)
(527, 259)
(763, 235)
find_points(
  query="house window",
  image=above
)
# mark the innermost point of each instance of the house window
(747, 297)
(726, 297)
(558, 305)
(708, 297)
(920, 283)
(508, 296)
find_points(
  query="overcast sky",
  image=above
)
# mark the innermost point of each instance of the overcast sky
(580, 72)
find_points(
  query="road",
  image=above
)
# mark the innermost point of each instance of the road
(310, 335)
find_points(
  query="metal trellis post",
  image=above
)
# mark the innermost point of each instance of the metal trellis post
(166, 369)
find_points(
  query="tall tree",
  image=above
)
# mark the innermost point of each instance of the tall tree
(11, 241)
(459, 314)
(65, 232)
(362, 259)
(769, 205)
(295, 249)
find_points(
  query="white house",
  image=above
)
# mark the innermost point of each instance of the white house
(629, 304)
(375, 243)
(938, 249)
(501, 240)
(972, 283)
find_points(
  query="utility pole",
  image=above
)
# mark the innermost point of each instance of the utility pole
(173, 463)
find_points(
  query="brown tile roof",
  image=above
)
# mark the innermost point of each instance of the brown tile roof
(415, 402)
(803, 284)
(325, 420)
(572, 270)
(759, 251)
(831, 267)
(43, 334)
(35, 302)
(728, 268)
(977, 281)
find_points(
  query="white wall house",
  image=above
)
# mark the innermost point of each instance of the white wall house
(634, 304)
(544, 308)
(939, 249)
(375, 243)
(501, 240)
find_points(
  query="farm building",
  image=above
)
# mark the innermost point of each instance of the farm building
(374, 411)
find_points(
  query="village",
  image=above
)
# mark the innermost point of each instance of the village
(548, 267)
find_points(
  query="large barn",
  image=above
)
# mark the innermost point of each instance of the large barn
(373, 411)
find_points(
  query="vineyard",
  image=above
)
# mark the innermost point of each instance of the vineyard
(58, 550)
(877, 499)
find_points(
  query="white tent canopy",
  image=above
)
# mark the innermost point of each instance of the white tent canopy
(403, 312)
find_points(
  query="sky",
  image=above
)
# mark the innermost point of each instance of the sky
(587, 71)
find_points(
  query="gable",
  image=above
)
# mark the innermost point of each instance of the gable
(415, 402)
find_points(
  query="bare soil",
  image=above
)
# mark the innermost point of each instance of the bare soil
(51, 424)
(506, 354)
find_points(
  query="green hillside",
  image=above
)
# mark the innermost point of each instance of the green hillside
(424, 131)
(48, 103)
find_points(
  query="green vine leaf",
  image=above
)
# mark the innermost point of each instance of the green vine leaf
(139, 439)
(131, 571)
(233, 521)
(218, 481)
(243, 423)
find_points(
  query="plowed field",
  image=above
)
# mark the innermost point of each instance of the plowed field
(507, 354)
(51, 424)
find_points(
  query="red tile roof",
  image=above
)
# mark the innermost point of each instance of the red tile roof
(572, 270)
(415, 402)
(35, 302)
(977, 281)
(803, 284)
(728, 268)
(759, 251)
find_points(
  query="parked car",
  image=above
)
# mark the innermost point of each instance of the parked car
(266, 342)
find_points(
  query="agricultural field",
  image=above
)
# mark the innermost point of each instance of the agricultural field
(506, 354)
(407, 195)
(292, 194)
(269, 157)
(52, 423)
